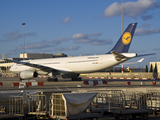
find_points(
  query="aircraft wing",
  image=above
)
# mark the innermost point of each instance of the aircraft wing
(37, 66)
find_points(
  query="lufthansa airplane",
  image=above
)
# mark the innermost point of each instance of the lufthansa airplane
(72, 67)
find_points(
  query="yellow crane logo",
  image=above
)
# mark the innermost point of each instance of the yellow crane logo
(126, 38)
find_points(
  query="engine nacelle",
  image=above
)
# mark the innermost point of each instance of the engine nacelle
(27, 74)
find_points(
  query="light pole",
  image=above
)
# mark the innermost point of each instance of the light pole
(23, 38)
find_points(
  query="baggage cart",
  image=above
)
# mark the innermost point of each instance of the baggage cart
(38, 106)
(153, 101)
(71, 106)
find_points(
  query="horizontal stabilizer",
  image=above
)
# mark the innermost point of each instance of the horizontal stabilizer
(146, 54)
(118, 56)
(140, 60)
(132, 62)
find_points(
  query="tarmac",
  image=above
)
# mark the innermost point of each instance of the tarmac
(64, 85)
(68, 85)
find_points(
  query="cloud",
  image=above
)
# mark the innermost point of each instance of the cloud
(92, 38)
(14, 36)
(141, 31)
(146, 25)
(31, 34)
(80, 36)
(39, 45)
(66, 20)
(67, 48)
(131, 9)
(102, 42)
(156, 49)
(146, 17)
(95, 34)
(42, 44)
(58, 41)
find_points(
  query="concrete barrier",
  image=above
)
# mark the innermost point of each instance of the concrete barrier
(95, 82)
(23, 84)
(153, 82)
(1, 83)
(128, 83)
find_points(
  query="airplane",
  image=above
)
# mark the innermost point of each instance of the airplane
(72, 67)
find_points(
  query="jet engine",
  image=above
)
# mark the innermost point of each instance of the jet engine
(28, 74)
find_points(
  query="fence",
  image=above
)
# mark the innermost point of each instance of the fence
(122, 75)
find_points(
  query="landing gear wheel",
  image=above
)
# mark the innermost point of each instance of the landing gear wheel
(126, 117)
(76, 79)
(55, 79)
(117, 117)
(79, 79)
(52, 79)
(145, 116)
(48, 79)
(134, 116)
(95, 119)
(155, 112)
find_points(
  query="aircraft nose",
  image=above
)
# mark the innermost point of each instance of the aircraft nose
(11, 68)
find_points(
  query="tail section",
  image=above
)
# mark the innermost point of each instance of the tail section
(123, 44)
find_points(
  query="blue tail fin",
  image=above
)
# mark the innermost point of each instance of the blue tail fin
(124, 42)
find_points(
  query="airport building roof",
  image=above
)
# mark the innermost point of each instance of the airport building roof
(41, 55)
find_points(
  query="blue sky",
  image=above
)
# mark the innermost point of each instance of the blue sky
(78, 27)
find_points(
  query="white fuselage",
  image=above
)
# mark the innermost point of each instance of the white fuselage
(81, 64)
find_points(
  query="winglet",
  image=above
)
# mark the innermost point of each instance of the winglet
(3, 57)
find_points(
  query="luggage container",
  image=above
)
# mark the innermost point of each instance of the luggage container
(13, 109)
(38, 106)
(14, 104)
(71, 106)
(121, 104)
(133, 105)
(153, 101)
(103, 102)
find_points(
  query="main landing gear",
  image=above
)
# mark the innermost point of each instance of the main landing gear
(76, 79)
(52, 79)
